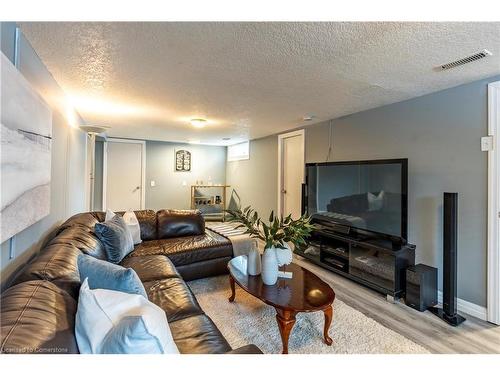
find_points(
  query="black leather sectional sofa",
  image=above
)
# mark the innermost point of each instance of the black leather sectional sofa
(39, 307)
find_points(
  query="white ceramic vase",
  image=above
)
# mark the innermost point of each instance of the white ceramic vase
(269, 266)
(254, 265)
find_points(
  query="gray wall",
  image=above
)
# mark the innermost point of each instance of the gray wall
(440, 135)
(255, 181)
(172, 188)
(68, 156)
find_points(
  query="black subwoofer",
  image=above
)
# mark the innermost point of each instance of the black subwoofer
(421, 287)
(450, 247)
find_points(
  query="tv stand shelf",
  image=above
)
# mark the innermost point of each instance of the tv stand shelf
(376, 263)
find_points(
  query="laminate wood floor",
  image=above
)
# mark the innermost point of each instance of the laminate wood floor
(473, 336)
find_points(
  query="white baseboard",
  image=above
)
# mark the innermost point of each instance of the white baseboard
(467, 307)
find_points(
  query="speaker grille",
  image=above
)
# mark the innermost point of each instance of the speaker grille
(450, 242)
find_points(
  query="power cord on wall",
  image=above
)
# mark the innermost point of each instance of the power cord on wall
(330, 143)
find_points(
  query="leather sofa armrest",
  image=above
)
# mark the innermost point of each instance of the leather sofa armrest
(247, 349)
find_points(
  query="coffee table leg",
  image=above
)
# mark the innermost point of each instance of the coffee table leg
(286, 320)
(328, 320)
(233, 291)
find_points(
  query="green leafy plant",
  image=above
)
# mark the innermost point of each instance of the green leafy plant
(277, 231)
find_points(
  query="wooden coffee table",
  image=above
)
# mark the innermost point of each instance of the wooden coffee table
(304, 292)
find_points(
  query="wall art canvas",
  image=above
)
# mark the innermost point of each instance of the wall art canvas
(182, 161)
(25, 155)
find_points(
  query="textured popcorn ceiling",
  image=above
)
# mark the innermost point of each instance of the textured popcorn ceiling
(146, 80)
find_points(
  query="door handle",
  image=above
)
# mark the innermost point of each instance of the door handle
(283, 191)
(136, 188)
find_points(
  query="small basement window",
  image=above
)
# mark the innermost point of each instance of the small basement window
(239, 151)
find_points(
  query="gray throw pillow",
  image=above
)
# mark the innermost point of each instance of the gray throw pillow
(105, 275)
(116, 238)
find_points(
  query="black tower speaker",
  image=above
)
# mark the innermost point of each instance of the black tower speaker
(450, 240)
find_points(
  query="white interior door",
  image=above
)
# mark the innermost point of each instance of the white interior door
(291, 175)
(124, 175)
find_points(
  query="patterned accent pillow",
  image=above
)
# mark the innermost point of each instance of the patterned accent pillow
(116, 238)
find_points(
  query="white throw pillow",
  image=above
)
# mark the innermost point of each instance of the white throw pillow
(109, 215)
(103, 312)
(133, 225)
(375, 202)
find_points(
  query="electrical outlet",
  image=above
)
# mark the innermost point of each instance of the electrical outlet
(487, 143)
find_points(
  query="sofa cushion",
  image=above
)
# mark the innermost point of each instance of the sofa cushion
(116, 238)
(149, 247)
(148, 224)
(198, 335)
(56, 263)
(86, 219)
(147, 221)
(101, 274)
(37, 317)
(174, 296)
(247, 349)
(83, 238)
(180, 223)
(205, 268)
(189, 249)
(151, 267)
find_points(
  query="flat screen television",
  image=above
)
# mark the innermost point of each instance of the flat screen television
(368, 196)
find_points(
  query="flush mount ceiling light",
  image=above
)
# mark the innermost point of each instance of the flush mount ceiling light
(308, 118)
(198, 122)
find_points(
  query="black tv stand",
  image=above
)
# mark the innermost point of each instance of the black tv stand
(378, 263)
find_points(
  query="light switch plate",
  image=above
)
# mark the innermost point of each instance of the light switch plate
(12, 247)
(487, 143)
(153, 183)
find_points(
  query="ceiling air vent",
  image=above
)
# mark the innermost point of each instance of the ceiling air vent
(477, 56)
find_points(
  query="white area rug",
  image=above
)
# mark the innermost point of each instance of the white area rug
(249, 321)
